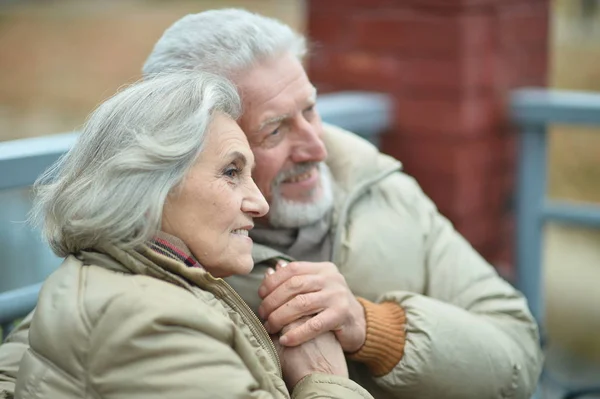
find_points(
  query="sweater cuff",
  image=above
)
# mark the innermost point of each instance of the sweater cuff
(386, 335)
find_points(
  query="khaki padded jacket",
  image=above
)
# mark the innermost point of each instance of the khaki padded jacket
(128, 324)
(469, 334)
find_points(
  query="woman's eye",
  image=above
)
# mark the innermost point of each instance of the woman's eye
(232, 172)
(274, 132)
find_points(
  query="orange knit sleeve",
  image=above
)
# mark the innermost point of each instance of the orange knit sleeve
(386, 335)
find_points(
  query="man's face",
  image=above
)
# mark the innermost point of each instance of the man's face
(285, 133)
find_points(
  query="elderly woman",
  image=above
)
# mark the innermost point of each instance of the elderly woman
(151, 208)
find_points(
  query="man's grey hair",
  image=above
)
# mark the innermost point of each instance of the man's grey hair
(134, 149)
(223, 42)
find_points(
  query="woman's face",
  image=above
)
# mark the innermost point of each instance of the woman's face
(213, 208)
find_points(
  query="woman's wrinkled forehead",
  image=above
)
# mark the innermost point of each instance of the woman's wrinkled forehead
(227, 141)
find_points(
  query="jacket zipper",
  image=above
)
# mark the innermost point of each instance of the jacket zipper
(205, 280)
(251, 319)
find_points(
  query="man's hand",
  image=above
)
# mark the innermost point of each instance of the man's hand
(301, 289)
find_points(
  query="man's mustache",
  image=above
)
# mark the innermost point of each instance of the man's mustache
(296, 170)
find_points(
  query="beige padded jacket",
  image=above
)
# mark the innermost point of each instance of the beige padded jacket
(469, 334)
(139, 324)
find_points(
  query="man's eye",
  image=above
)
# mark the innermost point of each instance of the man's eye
(274, 137)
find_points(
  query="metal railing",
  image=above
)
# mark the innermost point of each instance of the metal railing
(22, 161)
(533, 110)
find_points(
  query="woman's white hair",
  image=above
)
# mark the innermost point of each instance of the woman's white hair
(134, 149)
(223, 42)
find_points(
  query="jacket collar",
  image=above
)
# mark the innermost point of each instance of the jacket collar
(352, 160)
(165, 257)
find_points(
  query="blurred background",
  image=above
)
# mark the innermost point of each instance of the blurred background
(450, 67)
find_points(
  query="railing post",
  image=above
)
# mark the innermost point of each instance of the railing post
(530, 202)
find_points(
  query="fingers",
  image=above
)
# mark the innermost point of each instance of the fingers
(288, 290)
(291, 326)
(298, 307)
(283, 271)
(294, 324)
(312, 328)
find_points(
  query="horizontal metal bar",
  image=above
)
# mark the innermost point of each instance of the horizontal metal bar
(18, 303)
(363, 113)
(540, 107)
(572, 213)
(22, 161)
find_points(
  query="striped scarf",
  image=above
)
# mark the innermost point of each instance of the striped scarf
(174, 248)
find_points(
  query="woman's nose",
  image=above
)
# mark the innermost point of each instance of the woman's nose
(255, 203)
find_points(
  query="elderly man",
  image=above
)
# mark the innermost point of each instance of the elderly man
(350, 241)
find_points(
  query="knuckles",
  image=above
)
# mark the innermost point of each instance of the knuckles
(315, 324)
(296, 282)
(294, 268)
(303, 302)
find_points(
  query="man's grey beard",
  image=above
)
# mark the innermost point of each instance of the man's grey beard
(290, 214)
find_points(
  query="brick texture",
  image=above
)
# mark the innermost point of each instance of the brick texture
(450, 66)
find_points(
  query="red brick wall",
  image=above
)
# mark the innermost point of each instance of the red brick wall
(449, 65)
